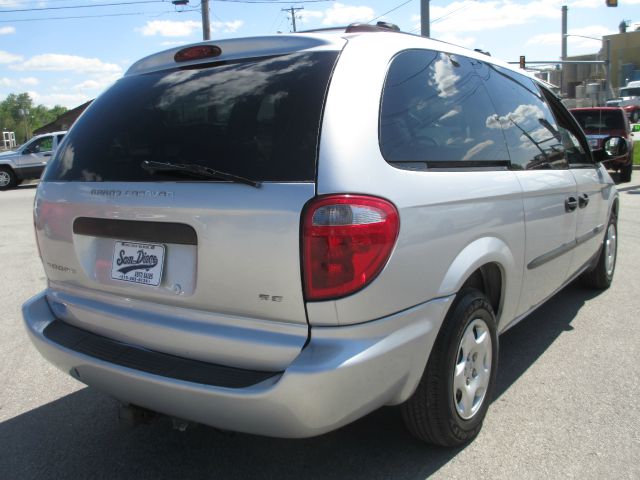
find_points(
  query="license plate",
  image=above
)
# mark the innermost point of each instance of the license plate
(138, 263)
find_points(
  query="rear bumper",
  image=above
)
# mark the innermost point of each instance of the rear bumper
(341, 375)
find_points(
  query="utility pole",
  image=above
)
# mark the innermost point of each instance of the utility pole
(293, 11)
(206, 27)
(609, 87)
(424, 18)
(24, 113)
(563, 56)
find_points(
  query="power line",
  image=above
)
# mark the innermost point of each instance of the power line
(147, 1)
(392, 10)
(274, 1)
(74, 17)
(453, 12)
(87, 16)
(80, 6)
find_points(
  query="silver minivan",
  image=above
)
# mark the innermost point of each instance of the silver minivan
(279, 235)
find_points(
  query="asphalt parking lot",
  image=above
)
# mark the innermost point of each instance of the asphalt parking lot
(566, 406)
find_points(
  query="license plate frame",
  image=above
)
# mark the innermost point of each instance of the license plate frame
(138, 262)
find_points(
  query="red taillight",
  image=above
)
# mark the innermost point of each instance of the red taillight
(347, 240)
(197, 53)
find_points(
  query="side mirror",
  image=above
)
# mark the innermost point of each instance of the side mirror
(612, 149)
(615, 147)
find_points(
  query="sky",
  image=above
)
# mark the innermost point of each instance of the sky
(66, 61)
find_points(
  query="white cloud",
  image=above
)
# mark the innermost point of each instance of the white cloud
(18, 82)
(469, 42)
(597, 3)
(465, 16)
(307, 16)
(576, 41)
(227, 27)
(586, 4)
(173, 43)
(170, 28)
(29, 81)
(69, 100)
(54, 62)
(6, 57)
(91, 86)
(7, 30)
(11, 3)
(338, 14)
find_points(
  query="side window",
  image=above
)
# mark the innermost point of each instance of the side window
(575, 149)
(529, 127)
(435, 111)
(42, 145)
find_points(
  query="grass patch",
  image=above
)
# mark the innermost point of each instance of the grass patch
(636, 154)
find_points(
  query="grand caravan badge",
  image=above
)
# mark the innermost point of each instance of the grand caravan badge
(138, 263)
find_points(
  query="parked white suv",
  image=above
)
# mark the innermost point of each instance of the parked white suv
(279, 235)
(28, 160)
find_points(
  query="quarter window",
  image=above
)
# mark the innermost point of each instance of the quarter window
(533, 136)
(436, 112)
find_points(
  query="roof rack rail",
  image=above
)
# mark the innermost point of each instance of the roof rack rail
(479, 50)
(325, 29)
(358, 27)
(378, 27)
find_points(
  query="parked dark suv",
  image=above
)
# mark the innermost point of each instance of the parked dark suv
(600, 123)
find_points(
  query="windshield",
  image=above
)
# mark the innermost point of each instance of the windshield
(630, 92)
(600, 121)
(258, 119)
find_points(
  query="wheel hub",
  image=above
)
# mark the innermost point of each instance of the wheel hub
(4, 179)
(473, 369)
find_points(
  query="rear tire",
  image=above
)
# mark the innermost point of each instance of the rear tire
(600, 276)
(7, 178)
(452, 398)
(625, 173)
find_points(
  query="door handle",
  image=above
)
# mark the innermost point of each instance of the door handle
(583, 200)
(570, 204)
(46, 155)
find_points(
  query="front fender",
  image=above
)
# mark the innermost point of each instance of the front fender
(8, 161)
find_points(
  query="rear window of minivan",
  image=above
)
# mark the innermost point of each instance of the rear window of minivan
(600, 120)
(256, 118)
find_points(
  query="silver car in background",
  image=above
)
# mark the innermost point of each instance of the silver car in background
(279, 235)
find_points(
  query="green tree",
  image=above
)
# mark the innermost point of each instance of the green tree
(19, 114)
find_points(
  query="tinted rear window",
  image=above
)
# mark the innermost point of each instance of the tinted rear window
(600, 120)
(258, 119)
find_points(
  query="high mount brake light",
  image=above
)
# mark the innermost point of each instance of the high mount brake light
(197, 53)
(347, 240)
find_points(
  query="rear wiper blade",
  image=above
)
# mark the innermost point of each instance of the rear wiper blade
(196, 170)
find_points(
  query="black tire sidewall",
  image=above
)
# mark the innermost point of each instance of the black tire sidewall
(609, 278)
(472, 305)
(12, 178)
